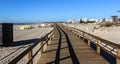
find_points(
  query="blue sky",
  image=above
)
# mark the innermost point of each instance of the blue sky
(56, 10)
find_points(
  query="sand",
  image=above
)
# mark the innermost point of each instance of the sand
(109, 33)
(22, 38)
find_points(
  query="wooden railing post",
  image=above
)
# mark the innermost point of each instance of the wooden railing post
(30, 56)
(98, 46)
(75, 31)
(50, 39)
(88, 39)
(118, 55)
(52, 35)
(78, 33)
(83, 35)
(42, 46)
(47, 40)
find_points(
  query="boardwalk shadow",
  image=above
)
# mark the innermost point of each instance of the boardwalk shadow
(71, 50)
(54, 50)
(26, 42)
(20, 44)
(56, 43)
(53, 62)
(23, 42)
(57, 57)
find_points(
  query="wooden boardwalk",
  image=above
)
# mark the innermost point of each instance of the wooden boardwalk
(67, 48)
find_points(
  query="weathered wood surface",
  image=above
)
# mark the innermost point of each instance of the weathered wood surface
(67, 48)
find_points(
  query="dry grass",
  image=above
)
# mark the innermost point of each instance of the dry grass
(109, 24)
(95, 28)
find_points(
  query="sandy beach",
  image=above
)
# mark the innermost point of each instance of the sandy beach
(109, 33)
(22, 38)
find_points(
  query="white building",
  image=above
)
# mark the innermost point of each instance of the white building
(96, 20)
(108, 20)
(70, 21)
(84, 19)
(87, 19)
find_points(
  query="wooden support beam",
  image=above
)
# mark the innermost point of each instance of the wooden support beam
(98, 46)
(50, 39)
(83, 36)
(41, 44)
(30, 56)
(47, 40)
(41, 50)
(79, 33)
(88, 39)
(118, 55)
(52, 35)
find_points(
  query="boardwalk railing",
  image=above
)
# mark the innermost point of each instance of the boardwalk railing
(99, 43)
(33, 53)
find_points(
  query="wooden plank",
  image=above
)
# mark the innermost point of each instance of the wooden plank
(84, 53)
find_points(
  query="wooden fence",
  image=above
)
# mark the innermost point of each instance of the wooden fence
(28, 57)
(109, 47)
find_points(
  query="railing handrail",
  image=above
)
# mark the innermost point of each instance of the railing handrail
(98, 43)
(101, 39)
(19, 57)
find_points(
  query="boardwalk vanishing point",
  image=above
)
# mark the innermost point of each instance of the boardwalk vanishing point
(67, 48)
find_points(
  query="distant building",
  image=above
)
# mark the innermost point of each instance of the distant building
(109, 20)
(87, 20)
(43, 25)
(95, 20)
(104, 20)
(84, 19)
(115, 18)
(70, 21)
